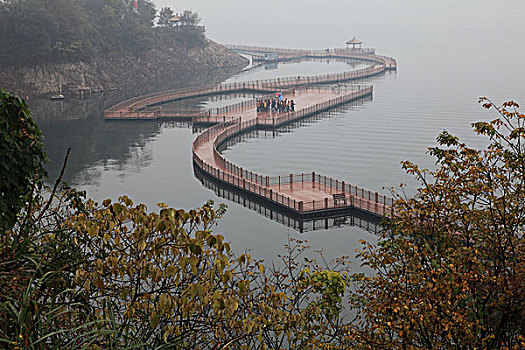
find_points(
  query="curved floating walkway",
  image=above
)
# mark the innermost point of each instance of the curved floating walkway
(288, 54)
(305, 194)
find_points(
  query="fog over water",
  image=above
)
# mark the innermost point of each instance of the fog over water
(449, 53)
(391, 25)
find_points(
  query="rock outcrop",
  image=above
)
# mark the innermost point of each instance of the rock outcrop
(112, 72)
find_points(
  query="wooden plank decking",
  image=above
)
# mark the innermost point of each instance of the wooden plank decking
(304, 193)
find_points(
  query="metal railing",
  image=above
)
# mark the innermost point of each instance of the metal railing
(269, 186)
(288, 117)
(133, 108)
(230, 125)
(262, 49)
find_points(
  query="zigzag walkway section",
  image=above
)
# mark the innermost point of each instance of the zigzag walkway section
(305, 194)
(309, 194)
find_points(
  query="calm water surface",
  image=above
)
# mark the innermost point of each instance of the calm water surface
(446, 61)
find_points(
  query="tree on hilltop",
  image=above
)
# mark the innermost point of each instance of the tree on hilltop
(190, 18)
(165, 15)
(61, 30)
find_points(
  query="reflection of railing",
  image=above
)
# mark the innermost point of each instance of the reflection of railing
(296, 222)
(268, 186)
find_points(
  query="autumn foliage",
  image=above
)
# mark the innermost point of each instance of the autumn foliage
(447, 273)
(450, 270)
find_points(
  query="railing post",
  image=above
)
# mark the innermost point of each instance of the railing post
(313, 179)
(301, 206)
(326, 203)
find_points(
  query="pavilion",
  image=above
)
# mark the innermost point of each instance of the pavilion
(354, 42)
(175, 20)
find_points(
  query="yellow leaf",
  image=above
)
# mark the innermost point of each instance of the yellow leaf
(154, 321)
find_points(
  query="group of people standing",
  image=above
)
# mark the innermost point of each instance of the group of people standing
(278, 104)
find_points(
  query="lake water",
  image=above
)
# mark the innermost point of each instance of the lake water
(446, 61)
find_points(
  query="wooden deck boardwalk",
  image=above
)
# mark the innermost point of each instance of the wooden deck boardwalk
(143, 107)
(300, 223)
(344, 53)
(306, 193)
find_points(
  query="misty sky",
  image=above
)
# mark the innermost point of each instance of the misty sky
(380, 23)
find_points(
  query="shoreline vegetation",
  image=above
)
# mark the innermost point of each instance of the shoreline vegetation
(98, 45)
(448, 267)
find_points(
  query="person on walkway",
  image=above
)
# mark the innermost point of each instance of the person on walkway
(292, 104)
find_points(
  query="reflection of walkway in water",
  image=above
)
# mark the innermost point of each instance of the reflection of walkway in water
(273, 133)
(304, 193)
(299, 223)
(307, 194)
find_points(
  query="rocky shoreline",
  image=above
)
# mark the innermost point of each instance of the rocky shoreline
(112, 72)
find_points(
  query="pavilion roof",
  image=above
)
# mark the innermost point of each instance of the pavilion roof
(354, 41)
(175, 19)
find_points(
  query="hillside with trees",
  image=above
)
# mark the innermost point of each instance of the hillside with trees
(95, 43)
(66, 30)
(60, 30)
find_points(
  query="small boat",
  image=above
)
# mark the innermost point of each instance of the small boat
(59, 96)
